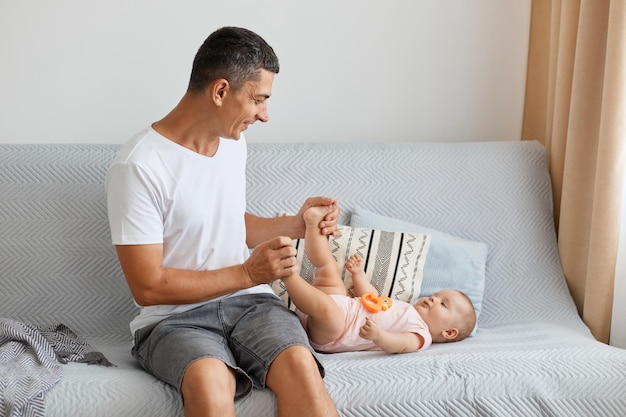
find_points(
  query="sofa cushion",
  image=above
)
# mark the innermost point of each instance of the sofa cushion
(393, 261)
(452, 262)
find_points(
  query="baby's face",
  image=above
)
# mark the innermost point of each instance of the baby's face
(443, 310)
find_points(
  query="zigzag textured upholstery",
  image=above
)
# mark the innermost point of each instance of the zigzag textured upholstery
(531, 355)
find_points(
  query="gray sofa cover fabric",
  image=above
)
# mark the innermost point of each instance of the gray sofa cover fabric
(531, 355)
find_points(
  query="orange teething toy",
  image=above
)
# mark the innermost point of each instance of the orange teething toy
(374, 303)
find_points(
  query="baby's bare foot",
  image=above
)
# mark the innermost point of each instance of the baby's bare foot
(314, 215)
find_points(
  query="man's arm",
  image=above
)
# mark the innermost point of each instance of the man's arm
(261, 229)
(150, 283)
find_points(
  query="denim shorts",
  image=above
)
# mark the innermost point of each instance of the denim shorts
(245, 332)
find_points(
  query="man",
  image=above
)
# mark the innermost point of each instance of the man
(176, 199)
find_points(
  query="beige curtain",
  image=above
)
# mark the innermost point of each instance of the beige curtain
(576, 106)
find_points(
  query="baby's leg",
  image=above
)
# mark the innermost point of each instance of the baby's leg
(361, 284)
(326, 320)
(326, 277)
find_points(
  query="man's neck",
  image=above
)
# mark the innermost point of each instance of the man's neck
(189, 125)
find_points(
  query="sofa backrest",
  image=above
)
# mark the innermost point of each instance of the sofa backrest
(498, 193)
(57, 263)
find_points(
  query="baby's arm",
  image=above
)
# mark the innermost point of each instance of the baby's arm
(354, 265)
(388, 341)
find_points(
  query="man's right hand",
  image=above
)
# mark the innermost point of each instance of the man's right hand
(271, 260)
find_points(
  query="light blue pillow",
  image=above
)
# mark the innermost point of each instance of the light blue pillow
(452, 262)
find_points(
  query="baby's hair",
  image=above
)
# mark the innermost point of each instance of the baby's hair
(468, 321)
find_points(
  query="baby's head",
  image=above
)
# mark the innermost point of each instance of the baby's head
(449, 314)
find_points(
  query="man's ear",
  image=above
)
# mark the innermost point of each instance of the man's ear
(219, 90)
(450, 334)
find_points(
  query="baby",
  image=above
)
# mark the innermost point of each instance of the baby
(336, 322)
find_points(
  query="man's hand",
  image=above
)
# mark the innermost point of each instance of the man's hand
(328, 226)
(271, 260)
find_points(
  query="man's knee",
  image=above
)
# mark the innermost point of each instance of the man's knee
(295, 361)
(208, 384)
(296, 379)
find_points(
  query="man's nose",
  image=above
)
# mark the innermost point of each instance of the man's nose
(263, 116)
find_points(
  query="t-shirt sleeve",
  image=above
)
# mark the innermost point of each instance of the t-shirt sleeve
(425, 333)
(134, 206)
(417, 325)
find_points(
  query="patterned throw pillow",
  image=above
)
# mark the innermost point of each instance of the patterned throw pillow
(393, 261)
(452, 262)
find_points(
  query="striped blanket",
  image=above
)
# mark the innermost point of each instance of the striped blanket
(30, 364)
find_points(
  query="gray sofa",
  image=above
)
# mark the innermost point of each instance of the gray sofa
(531, 354)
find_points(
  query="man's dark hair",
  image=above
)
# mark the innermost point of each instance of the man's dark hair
(233, 53)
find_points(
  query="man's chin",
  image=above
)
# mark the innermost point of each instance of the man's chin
(238, 134)
(234, 136)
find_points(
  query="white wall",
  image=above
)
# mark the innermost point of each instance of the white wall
(351, 70)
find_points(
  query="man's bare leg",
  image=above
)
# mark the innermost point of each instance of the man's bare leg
(208, 389)
(300, 391)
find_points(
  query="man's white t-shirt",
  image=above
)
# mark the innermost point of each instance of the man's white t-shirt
(162, 193)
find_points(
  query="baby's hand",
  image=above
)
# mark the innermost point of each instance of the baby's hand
(354, 264)
(370, 330)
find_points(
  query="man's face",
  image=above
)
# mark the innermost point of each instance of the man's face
(247, 105)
